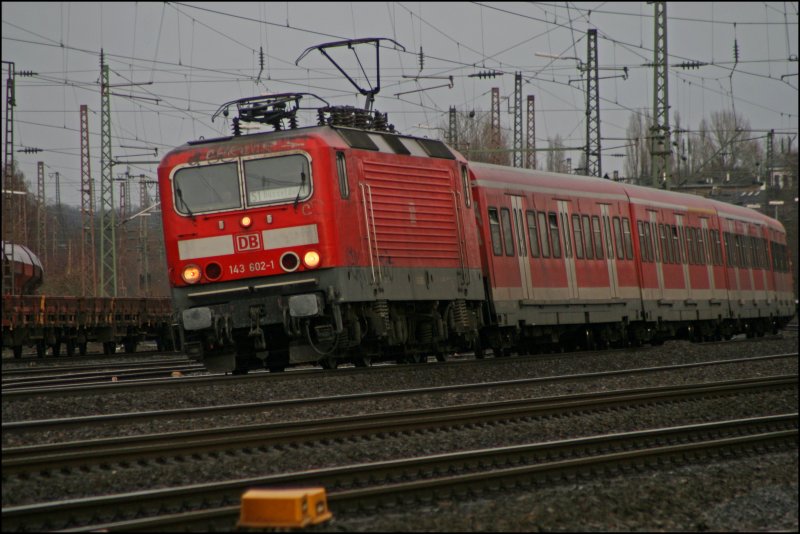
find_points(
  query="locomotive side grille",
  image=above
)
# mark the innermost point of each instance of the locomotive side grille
(414, 211)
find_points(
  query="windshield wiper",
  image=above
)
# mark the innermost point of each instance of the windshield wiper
(179, 194)
(300, 190)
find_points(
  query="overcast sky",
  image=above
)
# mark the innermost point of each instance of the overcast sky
(192, 57)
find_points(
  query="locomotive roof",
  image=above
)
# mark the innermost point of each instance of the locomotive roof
(339, 137)
(593, 187)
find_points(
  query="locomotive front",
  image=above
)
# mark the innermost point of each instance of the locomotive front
(244, 226)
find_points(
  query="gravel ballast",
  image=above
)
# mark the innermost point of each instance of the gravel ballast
(758, 492)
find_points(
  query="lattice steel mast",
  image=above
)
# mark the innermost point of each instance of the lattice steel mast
(108, 250)
(88, 263)
(593, 159)
(530, 135)
(517, 119)
(660, 146)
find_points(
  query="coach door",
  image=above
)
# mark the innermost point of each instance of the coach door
(569, 259)
(518, 213)
(611, 264)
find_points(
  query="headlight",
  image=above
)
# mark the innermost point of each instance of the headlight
(191, 274)
(311, 259)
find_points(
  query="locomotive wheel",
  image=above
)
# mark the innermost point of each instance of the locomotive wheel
(130, 346)
(82, 348)
(70, 347)
(17, 351)
(40, 349)
(441, 357)
(109, 347)
(56, 348)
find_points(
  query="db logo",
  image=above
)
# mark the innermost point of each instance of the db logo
(247, 242)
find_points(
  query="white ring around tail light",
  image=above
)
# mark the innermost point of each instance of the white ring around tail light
(191, 274)
(311, 259)
(289, 262)
(246, 222)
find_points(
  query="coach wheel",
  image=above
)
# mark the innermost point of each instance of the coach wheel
(41, 348)
(70, 347)
(276, 368)
(441, 357)
(82, 348)
(17, 351)
(56, 348)
(109, 347)
(130, 346)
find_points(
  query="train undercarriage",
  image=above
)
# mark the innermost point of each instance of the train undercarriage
(359, 333)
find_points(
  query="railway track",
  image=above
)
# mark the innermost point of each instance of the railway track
(117, 420)
(66, 377)
(298, 375)
(368, 486)
(68, 457)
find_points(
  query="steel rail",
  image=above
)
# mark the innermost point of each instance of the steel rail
(110, 451)
(101, 377)
(67, 366)
(292, 375)
(206, 411)
(375, 484)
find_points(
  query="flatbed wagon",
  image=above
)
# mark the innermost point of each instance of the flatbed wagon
(50, 321)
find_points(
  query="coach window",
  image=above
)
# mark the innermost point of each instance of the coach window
(532, 233)
(277, 179)
(702, 246)
(665, 251)
(587, 237)
(618, 239)
(465, 184)
(206, 188)
(626, 232)
(717, 247)
(656, 244)
(567, 238)
(508, 232)
(576, 231)
(642, 249)
(523, 251)
(341, 169)
(690, 245)
(555, 242)
(609, 239)
(598, 237)
(648, 243)
(542, 218)
(494, 229)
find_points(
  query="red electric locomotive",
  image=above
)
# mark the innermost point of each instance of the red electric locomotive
(339, 242)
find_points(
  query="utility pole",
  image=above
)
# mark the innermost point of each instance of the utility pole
(495, 115)
(9, 221)
(452, 131)
(769, 163)
(108, 251)
(660, 145)
(517, 119)
(593, 159)
(88, 264)
(144, 260)
(530, 135)
(41, 215)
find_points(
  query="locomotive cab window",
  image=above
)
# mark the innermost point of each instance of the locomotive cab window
(277, 179)
(206, 188)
